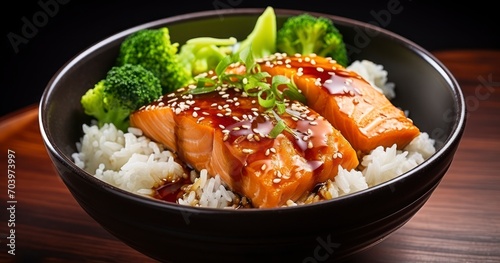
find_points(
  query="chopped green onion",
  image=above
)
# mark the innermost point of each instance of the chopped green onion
(222, 65)
(277, 129)
(266, 98)
(255, 83)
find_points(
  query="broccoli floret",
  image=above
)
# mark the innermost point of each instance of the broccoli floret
(202, 54)
(124, 89)
(306, 34)
(262, 39)
(152, 49)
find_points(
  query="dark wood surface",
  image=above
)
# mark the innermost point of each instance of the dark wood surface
(459, 223)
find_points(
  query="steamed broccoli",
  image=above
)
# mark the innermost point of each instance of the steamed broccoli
(152, 49)
(201, 54)
(306, 34)
(124, 89)
(262, 39)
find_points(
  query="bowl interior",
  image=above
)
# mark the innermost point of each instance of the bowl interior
(423, 86)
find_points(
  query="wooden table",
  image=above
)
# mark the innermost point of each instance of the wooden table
(460, 222)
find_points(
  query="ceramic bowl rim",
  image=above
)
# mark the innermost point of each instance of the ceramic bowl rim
(457, 129)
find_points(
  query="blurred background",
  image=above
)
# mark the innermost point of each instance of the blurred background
(39, 36)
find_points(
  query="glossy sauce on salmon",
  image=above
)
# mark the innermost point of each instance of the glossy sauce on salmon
(227, 133)
(363, 114)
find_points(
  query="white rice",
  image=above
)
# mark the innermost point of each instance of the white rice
(133, 162)
(126, 160)
(375, 75)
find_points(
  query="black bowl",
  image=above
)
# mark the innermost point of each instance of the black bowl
(329, 230)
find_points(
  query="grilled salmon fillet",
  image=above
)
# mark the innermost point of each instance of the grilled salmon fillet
(228, 133)
(360, 112)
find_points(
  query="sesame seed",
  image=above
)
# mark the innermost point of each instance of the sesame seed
(239, 139)
(263, 167)
(195, 114)
(247, 151)
(276, 180)
(222, 126)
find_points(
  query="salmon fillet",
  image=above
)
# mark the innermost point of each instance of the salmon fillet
(227, 133)
(360, 112)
